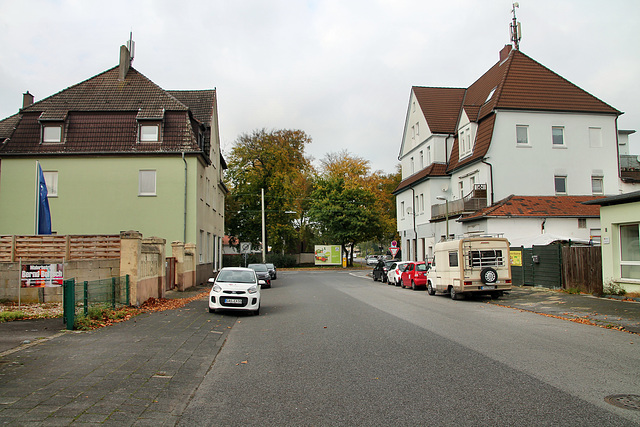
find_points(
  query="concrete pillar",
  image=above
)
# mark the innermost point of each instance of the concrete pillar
(190, 264)
(130, 249)
(159, 244)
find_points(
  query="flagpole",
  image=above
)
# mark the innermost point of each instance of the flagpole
(37, 197)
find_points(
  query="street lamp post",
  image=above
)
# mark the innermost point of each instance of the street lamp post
(264, 243)
(446, 213)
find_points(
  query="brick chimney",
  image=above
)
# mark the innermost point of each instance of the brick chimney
(27, 99)
(504, 53)
(125, 62)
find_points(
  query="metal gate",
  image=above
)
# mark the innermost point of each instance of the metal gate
(170, 264)
(541, 266)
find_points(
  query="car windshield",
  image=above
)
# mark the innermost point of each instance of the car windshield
(258, 267)
(234, 276)
(271, 266)
(421, 267)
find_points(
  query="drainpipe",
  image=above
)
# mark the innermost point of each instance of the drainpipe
(490, 178)
(184, 238)
(415, 232)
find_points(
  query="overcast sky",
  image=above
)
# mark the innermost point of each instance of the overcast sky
(340, 70)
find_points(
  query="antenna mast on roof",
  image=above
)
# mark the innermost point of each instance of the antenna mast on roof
(131, 46)
(516, 30)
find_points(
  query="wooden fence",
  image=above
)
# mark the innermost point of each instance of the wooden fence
(582, 268)
(55, 247)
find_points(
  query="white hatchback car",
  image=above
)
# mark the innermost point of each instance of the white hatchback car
(235, 288)
(394, 275)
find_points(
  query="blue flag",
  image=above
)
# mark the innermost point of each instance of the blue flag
(44, 215)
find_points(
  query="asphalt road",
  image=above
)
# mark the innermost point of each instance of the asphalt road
(339, 349)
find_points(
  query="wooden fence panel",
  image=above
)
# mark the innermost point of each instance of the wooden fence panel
(6, 248)
(37, 248)
(58, 247)
(582, 268)
(94, 247)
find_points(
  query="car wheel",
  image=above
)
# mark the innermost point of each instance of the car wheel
(430, 289)
(454, 295)
(413, 285)
(256, 312)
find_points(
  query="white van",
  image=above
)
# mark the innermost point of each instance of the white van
(472, 265)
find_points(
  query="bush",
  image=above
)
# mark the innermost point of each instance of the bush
(7, 316)
(612, 288)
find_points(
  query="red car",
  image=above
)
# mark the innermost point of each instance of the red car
(414, 275)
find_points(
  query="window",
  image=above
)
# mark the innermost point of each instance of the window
(630, 251)
(582, 223)
(486, 258)
(149, 133)
(595, 137)
(453, 259)
(557, 136)
(461, 189)
(490, 94)
(560, 183)
(147, 183)
(428, 155)
(401, 209)
(597, 185)
(51, 179)
(522, 135)
(421, 202)
(201, 247)
(413, 132)
(421, 160)
(52, 133)
(413, 166)
(417, 129)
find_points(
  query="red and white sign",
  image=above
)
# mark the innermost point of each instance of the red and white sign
(394, 248)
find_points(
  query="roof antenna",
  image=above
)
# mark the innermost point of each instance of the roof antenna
(131, 46)
(516, 30)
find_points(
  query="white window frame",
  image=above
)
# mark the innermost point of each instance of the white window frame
(557, 136)
(52, 134)
(51, 179)
(144, 184)
(555, 184)
(149, 136)
(595, 179)
(526, 142)
(628, 262)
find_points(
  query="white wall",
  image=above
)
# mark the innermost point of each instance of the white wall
(529, 170)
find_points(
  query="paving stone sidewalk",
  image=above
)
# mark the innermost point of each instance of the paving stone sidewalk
(139, 372)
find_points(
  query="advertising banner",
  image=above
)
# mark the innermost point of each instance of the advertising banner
(41, 275)
(516, 258)
(328, 255)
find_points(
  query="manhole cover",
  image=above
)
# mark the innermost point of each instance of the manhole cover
(626, 401)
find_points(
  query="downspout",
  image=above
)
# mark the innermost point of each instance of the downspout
(490, 178)
(184, 238)
(415, 232)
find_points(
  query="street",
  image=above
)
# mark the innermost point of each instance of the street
(332, 348)
(329, 348)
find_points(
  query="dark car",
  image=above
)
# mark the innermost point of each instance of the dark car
(381, 270)
(262, 272)
(273, 271)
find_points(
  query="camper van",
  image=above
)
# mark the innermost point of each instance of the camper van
(472, 265)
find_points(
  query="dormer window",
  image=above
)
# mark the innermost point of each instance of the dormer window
(149, 133)
(52, 133)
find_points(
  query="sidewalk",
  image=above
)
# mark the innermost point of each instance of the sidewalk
(588, 309)
(138, 372)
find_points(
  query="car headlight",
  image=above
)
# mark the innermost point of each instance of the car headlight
(217, 288)
(252, 290)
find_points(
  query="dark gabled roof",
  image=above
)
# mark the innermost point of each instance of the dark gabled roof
(101, 115)
(441, 107)
(433, 170)
(538, 207)
(634, 196)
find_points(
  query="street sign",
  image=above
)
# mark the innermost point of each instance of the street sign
(245, 247)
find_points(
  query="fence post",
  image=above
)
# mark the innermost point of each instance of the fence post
(86, 297)
(127, 288)
(113, 292)
(69, 302)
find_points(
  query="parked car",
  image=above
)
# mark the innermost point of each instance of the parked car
(381, 271)
(394, 274)
(372, 259)
(414, 275)
(262, 272)
(471, 266)
(273, 272)
(235, 288)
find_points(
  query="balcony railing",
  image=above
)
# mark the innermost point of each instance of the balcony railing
(473, 201)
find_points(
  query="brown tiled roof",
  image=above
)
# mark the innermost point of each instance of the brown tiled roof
(101, 115)
(518, 83)
(441, 107)
(433, 170)
(538, 206)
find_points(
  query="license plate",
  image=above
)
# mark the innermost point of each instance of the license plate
(487, 287)
(233, 301)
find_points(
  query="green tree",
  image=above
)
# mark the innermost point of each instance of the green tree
(274, 161)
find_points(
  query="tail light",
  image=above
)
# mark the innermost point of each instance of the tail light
(508, 281)
(467, 283)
